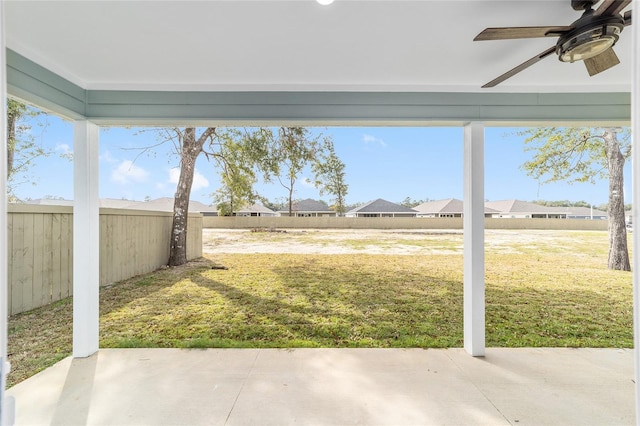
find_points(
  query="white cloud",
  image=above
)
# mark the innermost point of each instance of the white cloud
(199, 181)
(174, 175)
(127, 172)
(369, 140)
(107, 157)
(64, 148)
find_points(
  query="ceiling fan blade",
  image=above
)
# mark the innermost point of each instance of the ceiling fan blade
(611, 7)
(602, 62)
(627, 18)
(520, 67)
(509, 33)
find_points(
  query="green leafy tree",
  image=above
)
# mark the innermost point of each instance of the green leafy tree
(22, 146)
(352, 206)
(15, 111)
(582, 155)
(279, 204)
(408, 202)
(329, 175)
(237, 173)
(293, 148)
(236, 191)
(562, 203)
(190, 145)
(240, 155)
(234, 153)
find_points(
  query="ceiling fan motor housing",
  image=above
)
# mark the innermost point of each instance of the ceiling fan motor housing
(582, 4)
(590, 37)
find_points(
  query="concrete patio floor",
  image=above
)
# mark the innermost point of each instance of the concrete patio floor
(332, 387)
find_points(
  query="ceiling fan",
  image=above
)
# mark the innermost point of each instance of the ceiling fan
(590, 38)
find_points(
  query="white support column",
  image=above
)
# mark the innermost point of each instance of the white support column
(635, 189)
(86, 240)
(474, 306)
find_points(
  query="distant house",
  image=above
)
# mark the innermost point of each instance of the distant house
(114, 203)
(111, 203)
(165, 204)
(308, 208)
(585, 213)
(254, 210)
(381, 208)
(451, 207)
(517, 209)
(52, 202)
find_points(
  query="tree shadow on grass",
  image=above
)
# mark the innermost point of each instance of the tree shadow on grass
(379, 308)
(116, 296)
(309, 304)
(266, 321)
(341, 305)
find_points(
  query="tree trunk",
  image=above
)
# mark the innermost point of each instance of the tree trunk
(618, 252)
(12, 118)
(191, 148)
(290, 189)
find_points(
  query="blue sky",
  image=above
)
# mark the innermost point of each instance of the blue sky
(381, 162)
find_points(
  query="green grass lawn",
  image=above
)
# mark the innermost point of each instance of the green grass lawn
(558, 296)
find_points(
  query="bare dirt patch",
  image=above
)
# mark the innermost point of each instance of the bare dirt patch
(331, 241)
(375, 241)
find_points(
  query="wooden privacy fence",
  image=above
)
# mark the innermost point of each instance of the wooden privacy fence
(40, 247)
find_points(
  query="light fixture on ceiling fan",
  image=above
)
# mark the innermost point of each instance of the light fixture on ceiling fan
(590, 38)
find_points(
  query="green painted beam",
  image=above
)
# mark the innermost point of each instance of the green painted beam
(356, 107)
(40, 86)
(37, 85)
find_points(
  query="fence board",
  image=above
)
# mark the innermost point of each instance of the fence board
(66, 255)
(47, 258)
(17, 259)
(56, 264)
(29, 260)
(10, 258)
(38, 260)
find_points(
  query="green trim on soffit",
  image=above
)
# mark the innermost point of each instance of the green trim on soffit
(35, 84)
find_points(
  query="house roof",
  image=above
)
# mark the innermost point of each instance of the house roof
(165, 204)
(255, 208)
(450, 205)
(310, 206)
(52, 202)
(518, 206)
(382, 206)
(584, 211)
(111, 203)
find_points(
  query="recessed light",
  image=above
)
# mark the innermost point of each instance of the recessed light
(325, 2)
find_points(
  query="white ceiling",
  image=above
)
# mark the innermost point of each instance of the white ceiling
(351, 45)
